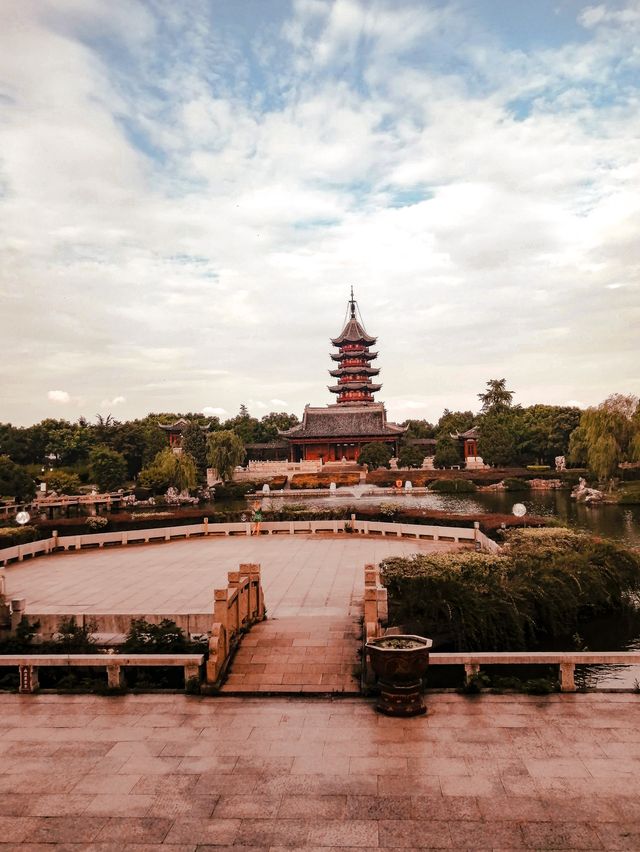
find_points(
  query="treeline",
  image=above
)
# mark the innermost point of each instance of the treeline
(600, 437)
(110, 453)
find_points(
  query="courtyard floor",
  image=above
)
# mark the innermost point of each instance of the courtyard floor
(179, 773)
(302, 575)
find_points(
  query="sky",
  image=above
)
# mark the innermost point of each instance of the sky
(189, 189)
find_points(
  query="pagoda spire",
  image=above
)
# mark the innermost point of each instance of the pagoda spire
(354, 359)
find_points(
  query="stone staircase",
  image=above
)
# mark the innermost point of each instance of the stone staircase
(298, 654)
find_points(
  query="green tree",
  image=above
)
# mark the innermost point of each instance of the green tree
(496, 397)
(375, 455)
(245, 426)
(225, 451)
(194, 442)
(62, 482)
(108, 468)
(410, 456)
(274, 422)
(544, 432)
(419, 429)
(169, 470)
(609, 434)
(448, 452)
(14, 481)
(454, 421)
(497, 441)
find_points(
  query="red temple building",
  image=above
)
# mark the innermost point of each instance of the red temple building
(337, 432)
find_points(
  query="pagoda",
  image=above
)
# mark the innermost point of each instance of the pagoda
(353, 355)
(336, 433)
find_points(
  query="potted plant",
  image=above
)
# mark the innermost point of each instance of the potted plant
(399, 662)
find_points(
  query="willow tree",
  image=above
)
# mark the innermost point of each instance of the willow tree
(225, 451)
(609, 434)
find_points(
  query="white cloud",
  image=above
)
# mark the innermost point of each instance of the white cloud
(112, 403)
(58, 396)
(212, 411)
(184, 223)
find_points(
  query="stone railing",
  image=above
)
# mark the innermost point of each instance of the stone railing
(28, 665)
(566, 660)
(376, 609)
(236, 608)
(464, 535)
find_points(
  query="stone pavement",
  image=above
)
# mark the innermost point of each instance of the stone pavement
(303, 654)
(310, 575)
(180, 774)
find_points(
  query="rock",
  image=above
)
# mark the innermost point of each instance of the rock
(583, 494)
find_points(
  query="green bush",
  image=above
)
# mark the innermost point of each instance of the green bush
(541, 585)
(163, 638)
(513, 484)
(538, 468)
(97, 523)
(452, 486)
(10, 536)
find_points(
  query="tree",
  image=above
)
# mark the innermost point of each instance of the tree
(62, 482)
(14, 481)
(375, 455)
(169, 470)
(609, 434)
(245, 426)
(225, 451)
(448, 452)
(454, 421)
(194, 442)
(497, 441)
(274, 422)
(544, 432)
(108, 468)
(419, 429)
(496, 397)
(410, 456)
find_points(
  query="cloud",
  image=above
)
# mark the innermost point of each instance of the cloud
(183, 216)
(58, 396)
(111, 403)
(212, 411)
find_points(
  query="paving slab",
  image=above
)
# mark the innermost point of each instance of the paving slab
(302, 575)
(352, 779)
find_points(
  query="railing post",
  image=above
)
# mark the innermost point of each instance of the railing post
(471, 670)
(191, 670)
(206, 526)
(567, 677)
(115, 676)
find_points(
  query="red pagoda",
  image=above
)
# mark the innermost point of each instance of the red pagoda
(337, 432)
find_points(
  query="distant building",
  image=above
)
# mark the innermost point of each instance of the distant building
(337, 432)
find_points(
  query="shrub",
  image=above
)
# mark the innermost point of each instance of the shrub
(630, 494)
(541, 585)
(324, 480)
(453, 486)
(163, 638)
(74, 638)
(375, 455)
(513, 484)
(62, 482)
(538, 468)
(96, 523)
(10, 536)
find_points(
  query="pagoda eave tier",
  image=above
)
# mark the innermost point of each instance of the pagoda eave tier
(354, 386)
(353, 332)
(354, 371)
(360, 356)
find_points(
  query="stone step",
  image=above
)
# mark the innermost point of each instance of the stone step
(294, 655)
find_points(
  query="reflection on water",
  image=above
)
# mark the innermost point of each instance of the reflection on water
(609, 521)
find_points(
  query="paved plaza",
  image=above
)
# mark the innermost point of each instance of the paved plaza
(302, 575)
(180, 773)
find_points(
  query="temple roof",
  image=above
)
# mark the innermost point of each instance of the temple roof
(335, 421)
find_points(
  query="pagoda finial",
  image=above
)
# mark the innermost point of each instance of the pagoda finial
(352, 303)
